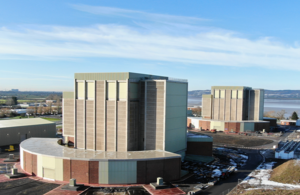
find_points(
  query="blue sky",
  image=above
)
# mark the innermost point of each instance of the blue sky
(252, 43)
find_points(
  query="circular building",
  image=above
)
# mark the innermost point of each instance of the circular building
(45, 158)
(126, 128)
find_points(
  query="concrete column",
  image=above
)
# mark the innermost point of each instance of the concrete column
(116, 117)
(75, 111)
(145, 121)
(95, 125)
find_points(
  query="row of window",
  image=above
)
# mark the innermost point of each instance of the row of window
(235, 94)
(113, 90)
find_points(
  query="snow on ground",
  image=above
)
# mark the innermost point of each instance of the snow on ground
(243, 156)
(259, 178)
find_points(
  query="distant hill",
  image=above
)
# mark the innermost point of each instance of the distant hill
(28, 95)
(269, 94)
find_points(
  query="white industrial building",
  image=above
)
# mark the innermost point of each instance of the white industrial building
(288, 150)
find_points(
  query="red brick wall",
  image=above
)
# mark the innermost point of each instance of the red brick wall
(232, 126)
(94, 172)
(71, 139)
(67, 169)
(34, 164)
(30, 163)
(80, 171)
(204, 124)
(148, 171)
(200, 148)
(189, 122)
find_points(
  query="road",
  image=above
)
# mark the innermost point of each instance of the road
(224, 185)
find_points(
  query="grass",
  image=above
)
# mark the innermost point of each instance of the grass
(237, 140)
(288, 172)
(52, 119)
(271, 192)
(23, 101)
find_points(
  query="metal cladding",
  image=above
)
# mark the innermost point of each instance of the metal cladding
(16, 130)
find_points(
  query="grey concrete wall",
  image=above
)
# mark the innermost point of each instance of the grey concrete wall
(207, 106)
(90, 123)
(100, 115)
(80, 135)
(68, 119)
(176, 116)
(110, 125)
(121, 126)
(155, 106)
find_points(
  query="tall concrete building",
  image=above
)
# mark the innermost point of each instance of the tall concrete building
(126, 128)
(126, 112)
(233, 109)
(233, 103)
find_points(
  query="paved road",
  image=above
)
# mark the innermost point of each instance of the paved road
(223, 185)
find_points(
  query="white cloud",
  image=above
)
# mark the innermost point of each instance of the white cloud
(193, 44)
(133, 14)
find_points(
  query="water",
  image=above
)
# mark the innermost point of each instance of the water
(270, 105)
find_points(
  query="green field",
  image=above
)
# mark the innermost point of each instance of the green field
(52, 119)
(3, 101)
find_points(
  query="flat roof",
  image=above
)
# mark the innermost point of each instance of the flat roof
(23, 122)
(293, 121)
(50, 147)
(244, 121)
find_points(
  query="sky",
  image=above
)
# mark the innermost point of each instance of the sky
(211, 43)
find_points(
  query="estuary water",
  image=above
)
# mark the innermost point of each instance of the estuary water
(270, 105)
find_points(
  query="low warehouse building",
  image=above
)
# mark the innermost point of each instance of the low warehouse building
(288, 122)
(16, 130)
(227, 126)
(288, 150)
(199, 148)
(273, 121)
(199, 145)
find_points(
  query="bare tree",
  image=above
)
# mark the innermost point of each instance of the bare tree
(196, 111)
(30, 110)
(280, 114)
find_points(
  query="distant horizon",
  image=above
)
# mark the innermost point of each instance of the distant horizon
(188, 90)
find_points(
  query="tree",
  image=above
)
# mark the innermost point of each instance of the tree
(294, 116)
(270, 114)
(280, 114)
(196, 111)
(30, 110)
(12, 101)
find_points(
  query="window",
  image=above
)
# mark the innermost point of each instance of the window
(240, 94)
(222, 94)
(217, 93)
(111, 91)
(233, 94)
(80, 90)
(122, 91)
(90, 90)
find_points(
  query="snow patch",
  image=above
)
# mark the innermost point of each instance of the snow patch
(260, 178)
